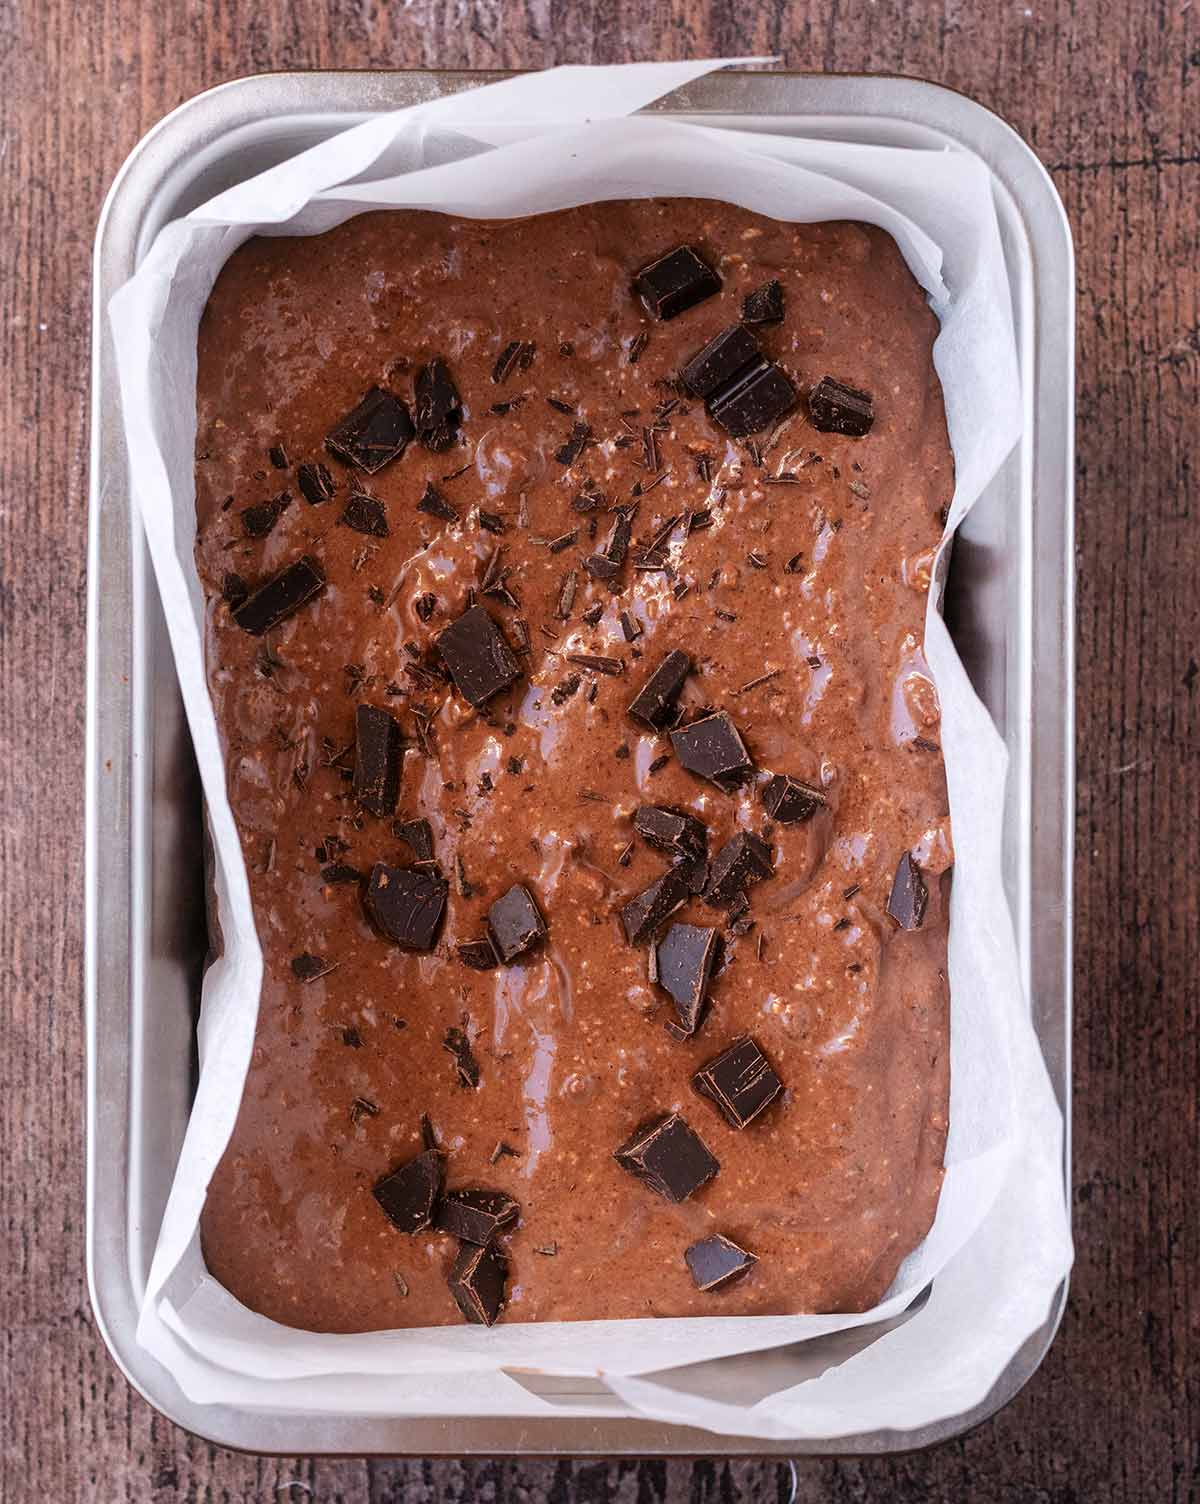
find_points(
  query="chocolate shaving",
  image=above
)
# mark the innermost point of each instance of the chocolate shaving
(569, 452)
(308, 968)
(458, 1045)
(516, 354)
(434, 504)
(597, 663)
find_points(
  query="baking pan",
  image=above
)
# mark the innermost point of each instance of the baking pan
(1010, 607)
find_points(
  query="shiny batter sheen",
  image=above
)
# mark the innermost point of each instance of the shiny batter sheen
(839, 1179)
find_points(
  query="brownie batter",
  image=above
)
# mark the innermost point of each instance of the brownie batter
(790, 566)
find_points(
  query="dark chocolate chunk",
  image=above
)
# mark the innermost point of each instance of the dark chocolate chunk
(419, 836)
(569, 452)
(425, 605)
(434, 504)
(365, 514)
(277, 454)
(741, 1081)
(479, 955)
(437, 406)
(685, 957)
(631, 628)
(257, 521)
(406, 905)
(717, 1260)
(477, 1283)
(378, 759)
(234, 590)
(692, 871)
(373, 433)
(308, 967)
(315, 482)
(458, 1045)
(744, 860)
(475, 1215)
(764, 305)
(516, 355)
(836, 408)
(654, 703)
(642, 915)
(675, 282)
(759, 396)
(602, 568)
(480, 661)
(669, 1157)
(712, 748)
(721, 362)
(909, 896)
(407, 1195)
(670, 829)
(789, 801)
(515, 923)
(340, 872)
(280, 596)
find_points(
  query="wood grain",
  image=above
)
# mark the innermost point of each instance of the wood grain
(1109, 95)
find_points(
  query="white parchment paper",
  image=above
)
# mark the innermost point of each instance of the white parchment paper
(1000, 1243)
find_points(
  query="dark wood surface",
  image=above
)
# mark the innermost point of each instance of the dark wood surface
(1109, 95)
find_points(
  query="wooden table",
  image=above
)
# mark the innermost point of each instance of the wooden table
(1109, 95)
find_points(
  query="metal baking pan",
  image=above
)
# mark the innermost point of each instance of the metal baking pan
(1010, 607)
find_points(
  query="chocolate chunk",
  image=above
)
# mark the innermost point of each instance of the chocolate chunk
(744, 860)
(675, 282)
(515, 923)
(279, 597)
(277, 454)
(672, 830)
(761, 394)
(602, 568)
(669, 1157)
(479, 659)
(419, 836)
(257, 521)
(685, 960)
(598, 663)
(373, 433)
(406, 905)
(308, 967)
(835, 408)
(340, 872)
(717, 1260)
(909, 896)
(631, 628)
(437, 406)
(458, 1045)
(692, 871)
(789, 801)
(764, 305)
(234, 590)
(475, 1216)
(642, 915)
(407, 1195)
(712, 748)
(365, 514)
(569, 452)
(378, 759)
(477, 1283)
(654, 703)
(315, 482)
(516, 355)
(434, 504)
(479, 955)
(741, 1081)
(721, 361)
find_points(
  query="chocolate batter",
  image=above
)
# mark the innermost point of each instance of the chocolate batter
(795, 578)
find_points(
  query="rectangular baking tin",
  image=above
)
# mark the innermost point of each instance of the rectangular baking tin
(1010, 607)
